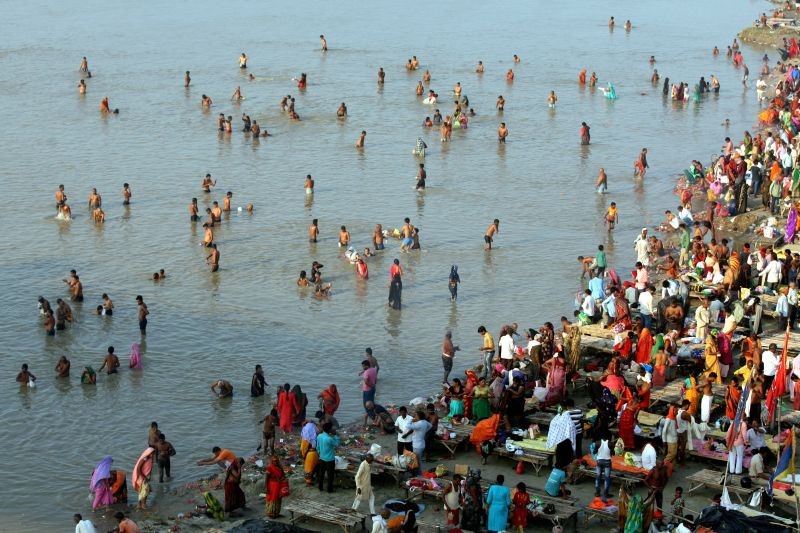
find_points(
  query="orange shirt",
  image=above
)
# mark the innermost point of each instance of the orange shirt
(226, 455)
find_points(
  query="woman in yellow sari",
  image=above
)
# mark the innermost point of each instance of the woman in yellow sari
(693, 395)
(712, 356)
(308, 451)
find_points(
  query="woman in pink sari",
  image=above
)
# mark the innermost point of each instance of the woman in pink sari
(101, 485)
(136, 356)
(556, 379)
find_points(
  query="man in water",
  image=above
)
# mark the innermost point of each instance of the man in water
(222, 388)
(226, 203)
(208, 183)
(24, 375)
(61, 198)
(243, 60)
(502, 133)
(193, 210)
(62, 367)
(124, 525)
(479, 69)
(213, 258)
(324, 43)
(313, 231)
(76, 289)
(448, 353)
(407, 235)
(258, 383)
(63, 314)
(142, 314)
(360, 141)
(111, 362)
(493, 229)
(126, 194)
(187, 79)
(164, 450)
(95, 200)
(381, 76)
(344, 237)
(421, 177)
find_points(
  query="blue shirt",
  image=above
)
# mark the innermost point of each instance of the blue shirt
(610, 305)
(553, 485)
(598, 288)
(326, 446)
(418, 436)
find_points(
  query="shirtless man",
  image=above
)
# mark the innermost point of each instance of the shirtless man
(243, 60)
(321, 290)
(222, 388)
(285, 102)
(62, 367)
(255, 129)
(268, 432)
(84, 66)
(360, 141)
(210, 217)
(111, 362)
(407, 235)
(493, 229)
(187, 79)
(193, 210)
(142, 314)
(206, 101)
(502, 133)
(381, 76)
(208, 237)
(76, 289)
(237, 94)
(49, 323)
(208, 183)
(344, 237)
(226, 202)
(342, 111)
(24, 375)
(94, 199)
(216, 211)
(501, 102)
(324, 43)
(126, 194)
(61, 198)
(309, 184)
(479, 68)
(108, 305)
(82, 87)
(71, 280)
(313, 231)
(63, 314)
(98, 215)
(213, 258)
(421, 177)
(414, 63)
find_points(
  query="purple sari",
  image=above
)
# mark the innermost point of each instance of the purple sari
(791, 226)
(100, 483)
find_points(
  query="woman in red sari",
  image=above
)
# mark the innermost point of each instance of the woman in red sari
(520, 501)
(234, 495)
(627, 421)
(274, 479)
(330, 400)
(287, 408)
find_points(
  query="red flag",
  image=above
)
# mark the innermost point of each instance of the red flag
(778, 387)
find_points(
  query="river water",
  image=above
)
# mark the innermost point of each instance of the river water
(205, 326)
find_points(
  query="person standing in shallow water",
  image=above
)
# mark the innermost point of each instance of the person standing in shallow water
(453, 282)
(395, 285)
(585, 136)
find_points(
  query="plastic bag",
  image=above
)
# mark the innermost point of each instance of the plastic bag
(341, 463)
(375, 449)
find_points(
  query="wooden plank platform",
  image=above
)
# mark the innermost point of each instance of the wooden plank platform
(713, 479)
(462, 432)
(671, 393)
(344, 518)
(777, 337)
(534, 458)
(617, 476)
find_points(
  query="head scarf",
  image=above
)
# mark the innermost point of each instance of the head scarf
(91, 372)
(309, 433)
(136, 357)
(101, 471)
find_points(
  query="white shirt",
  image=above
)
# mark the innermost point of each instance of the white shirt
(506, 347)
(773, 271)
(85, 526)
(686, 216)
(379, 525)
(669, 432)
(756, 438)
(646, 303)
(642, 249)
(402, 423)
(648, 457)
(770, 361)
(604, 452)
(589, 306)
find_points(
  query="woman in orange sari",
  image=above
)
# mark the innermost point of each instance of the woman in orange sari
(330, 399)
(104, 107)
(732, 396)
(644, 346)
(693, 395)
(275, 478)
(582, 77)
